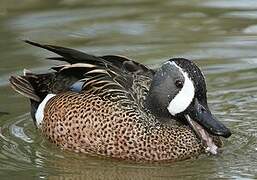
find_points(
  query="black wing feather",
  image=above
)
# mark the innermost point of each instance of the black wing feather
(70, 55)
(99, 75)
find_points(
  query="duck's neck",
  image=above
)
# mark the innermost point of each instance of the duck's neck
(157, 108)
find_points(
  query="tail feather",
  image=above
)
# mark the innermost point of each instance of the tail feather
(24, 87)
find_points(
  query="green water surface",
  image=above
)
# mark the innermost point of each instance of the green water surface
(220, 35)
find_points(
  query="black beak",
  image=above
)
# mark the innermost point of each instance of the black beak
(204, 117)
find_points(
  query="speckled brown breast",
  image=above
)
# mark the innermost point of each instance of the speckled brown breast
(86, 123)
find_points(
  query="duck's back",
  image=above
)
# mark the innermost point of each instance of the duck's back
(95, 105)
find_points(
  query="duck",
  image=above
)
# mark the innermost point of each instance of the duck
(114, 107)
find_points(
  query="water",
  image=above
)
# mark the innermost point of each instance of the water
(221, 36)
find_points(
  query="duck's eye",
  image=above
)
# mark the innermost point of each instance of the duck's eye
(179, 84)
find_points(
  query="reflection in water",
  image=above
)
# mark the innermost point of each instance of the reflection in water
(3, 113)
(220, 35)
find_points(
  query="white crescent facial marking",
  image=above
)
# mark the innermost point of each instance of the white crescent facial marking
(39, 115)
(184, 97)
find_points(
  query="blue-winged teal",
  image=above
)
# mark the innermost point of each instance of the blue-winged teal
(115, 107)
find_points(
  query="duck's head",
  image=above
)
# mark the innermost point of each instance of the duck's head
(178, 90)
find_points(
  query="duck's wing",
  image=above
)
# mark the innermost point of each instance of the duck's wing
(109, 76)
(73, 56)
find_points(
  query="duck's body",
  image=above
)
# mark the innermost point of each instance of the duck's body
(109, 106)
(87, 123)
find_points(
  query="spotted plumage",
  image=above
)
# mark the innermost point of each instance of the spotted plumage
(115, 107)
